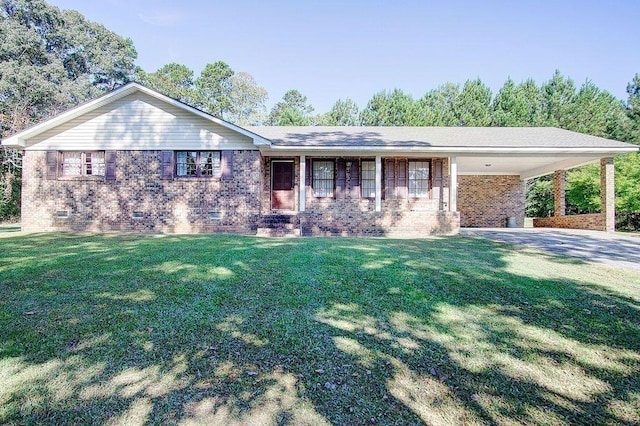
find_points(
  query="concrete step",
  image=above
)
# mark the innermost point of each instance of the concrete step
(278, 232)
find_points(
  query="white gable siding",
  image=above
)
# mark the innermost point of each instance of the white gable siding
(139, 122)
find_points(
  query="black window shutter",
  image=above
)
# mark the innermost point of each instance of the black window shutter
(166, 165)
(437, 182)
(52, 165)
(403, 190)
(308, 174)
(110, 160)
(341, 178)
(226, 165)
(389, 178)
(354, 179)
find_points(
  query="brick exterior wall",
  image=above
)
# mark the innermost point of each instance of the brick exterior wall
(139, 200)
(355, 216)
(181, 205)
(488, 200)
(398, 218)
(593, 221)
(559, 196)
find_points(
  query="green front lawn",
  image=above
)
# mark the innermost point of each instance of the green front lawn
(133, 329)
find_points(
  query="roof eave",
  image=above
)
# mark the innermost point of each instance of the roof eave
(463, 150)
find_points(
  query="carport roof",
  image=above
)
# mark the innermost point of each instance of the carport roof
(524, 151)
(468, 138)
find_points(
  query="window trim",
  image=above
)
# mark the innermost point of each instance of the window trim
(427, 194)
(332, 180)
(216, 174)
(83, 166)
(362, 179)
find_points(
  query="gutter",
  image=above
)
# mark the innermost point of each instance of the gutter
(463, 150)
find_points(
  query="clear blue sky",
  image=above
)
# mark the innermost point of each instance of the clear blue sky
(336, 49)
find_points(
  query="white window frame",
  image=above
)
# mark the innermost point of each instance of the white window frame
(324, 181)
(83, 164)
(368, 179)
(418, 182)
(181, 166)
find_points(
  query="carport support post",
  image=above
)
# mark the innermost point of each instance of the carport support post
(608, 193)
(559, 203)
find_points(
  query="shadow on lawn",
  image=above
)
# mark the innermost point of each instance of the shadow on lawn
(201, 329)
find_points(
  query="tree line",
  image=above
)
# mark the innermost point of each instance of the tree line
(52, 59)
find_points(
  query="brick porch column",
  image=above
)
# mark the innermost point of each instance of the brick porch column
(608, 193)
(559, 202)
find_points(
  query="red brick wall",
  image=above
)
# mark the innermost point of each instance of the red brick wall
(182, 206)
(488, 200)
(357, 216)
(185, 205)
(593, 221)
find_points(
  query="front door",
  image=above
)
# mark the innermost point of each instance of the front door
(282, 192)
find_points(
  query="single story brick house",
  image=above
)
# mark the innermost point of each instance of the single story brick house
(135, 160)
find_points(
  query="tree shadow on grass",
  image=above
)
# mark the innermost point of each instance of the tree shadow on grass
(223, 329)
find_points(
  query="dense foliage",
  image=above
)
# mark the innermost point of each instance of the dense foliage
(52, 59)
(218, 90)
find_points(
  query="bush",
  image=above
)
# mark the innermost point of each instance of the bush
(628, 221)
(9, 197)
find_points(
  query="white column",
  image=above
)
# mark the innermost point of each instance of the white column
(378, 183)
(303, 183)
(453, 184)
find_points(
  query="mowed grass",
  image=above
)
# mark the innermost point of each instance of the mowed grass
(127, 329)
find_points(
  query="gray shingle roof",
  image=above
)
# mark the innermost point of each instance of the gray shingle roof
(445, 137)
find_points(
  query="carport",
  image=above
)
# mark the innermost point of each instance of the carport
(534, 152)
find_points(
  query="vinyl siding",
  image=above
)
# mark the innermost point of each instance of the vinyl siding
(138, 122)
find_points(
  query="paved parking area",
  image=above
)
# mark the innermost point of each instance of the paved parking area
(616, 250)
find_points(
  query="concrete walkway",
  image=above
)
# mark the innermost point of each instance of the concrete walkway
(615, 250)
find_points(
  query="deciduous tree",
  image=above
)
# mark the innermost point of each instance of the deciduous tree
(50, 60)
(173, 80)
(213, 89)
(247, 101)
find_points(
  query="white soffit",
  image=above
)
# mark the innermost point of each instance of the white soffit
(526, 167)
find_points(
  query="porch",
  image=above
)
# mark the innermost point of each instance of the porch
(358, 196)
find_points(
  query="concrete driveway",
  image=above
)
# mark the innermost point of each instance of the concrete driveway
(615, 250)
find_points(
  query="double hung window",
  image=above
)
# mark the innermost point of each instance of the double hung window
(197, 163)
(75, 163)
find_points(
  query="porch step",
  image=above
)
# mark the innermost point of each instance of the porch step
(278, 232)
(278, 225)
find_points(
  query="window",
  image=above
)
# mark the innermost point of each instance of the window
(323, 178)
(83, 163)
(198, 163)
(368, 179)
(418, 178)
